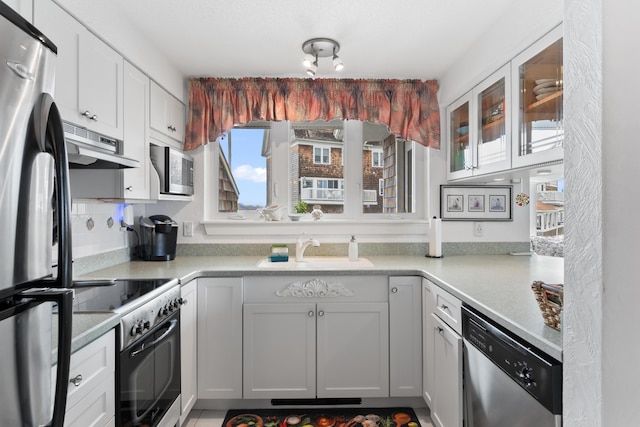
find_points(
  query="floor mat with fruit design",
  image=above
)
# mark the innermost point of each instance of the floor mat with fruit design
(325, 417)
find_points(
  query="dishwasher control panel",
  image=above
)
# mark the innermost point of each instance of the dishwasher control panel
(534, 371)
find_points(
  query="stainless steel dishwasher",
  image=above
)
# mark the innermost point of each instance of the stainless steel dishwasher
(507, 382)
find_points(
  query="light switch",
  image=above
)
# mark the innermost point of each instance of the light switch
(187, 229)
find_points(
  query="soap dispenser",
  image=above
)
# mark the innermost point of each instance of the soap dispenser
(353, 249)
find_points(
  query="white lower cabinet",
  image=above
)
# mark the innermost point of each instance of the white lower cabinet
(353, 350)
(91, 384)
(307, 337)
(219, 338)
(188, 348)
(405, 336)
(279, 350)
(442, 346)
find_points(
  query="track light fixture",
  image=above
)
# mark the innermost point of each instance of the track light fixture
(320, 48)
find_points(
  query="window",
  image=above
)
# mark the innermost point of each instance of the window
(282, 163)
(377, 159)
(322, 155)
(242, 170)
(387, 171)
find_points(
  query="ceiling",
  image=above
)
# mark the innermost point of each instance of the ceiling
(408, 39)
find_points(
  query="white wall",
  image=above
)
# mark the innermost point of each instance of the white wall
(514, 30)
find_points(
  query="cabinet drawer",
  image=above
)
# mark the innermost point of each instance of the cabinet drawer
(315, 288)
(94, 363)
(448, 308)
(96, 408)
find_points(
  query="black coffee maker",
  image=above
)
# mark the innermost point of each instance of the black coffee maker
(158, 235)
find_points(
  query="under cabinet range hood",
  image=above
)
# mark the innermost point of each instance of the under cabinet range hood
(90, 150)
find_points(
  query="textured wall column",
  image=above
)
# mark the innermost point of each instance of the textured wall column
(620, 213)
(583, 111)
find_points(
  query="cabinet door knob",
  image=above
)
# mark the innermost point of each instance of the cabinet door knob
(76, 380)
(444, 307)
(86, 114)
(311, 313)
(130, 188)
(321, 313)
(439, 329)
(394, 290)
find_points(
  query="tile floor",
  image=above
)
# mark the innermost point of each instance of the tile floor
(206, 418)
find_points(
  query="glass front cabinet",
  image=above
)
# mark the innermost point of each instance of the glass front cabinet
(513, 119)
(538, 121)
(479, 127)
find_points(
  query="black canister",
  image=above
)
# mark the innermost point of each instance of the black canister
(158, 235)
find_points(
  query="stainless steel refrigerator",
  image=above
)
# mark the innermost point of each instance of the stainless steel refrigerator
(34, 222)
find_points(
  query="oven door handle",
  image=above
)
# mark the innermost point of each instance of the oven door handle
(143, 347)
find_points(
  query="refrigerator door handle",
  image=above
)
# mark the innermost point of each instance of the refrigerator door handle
(64, 299)
(47, 125)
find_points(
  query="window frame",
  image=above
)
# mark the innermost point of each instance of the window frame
(321, 147)
(379, 155)
(400, 227)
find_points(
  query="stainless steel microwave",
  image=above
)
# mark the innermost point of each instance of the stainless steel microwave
(175, 170)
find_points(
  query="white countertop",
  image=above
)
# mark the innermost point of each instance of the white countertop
(498, 286)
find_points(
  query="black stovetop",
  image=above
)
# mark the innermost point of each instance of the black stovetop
(116, 296)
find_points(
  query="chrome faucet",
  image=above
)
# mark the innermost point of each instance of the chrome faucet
(302, 244)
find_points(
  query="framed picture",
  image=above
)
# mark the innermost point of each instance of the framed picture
(497, 203)
(476, 202)
(455, 203)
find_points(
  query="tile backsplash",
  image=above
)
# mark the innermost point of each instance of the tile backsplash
(96, 228)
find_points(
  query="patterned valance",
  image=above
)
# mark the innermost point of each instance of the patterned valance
(409, 108)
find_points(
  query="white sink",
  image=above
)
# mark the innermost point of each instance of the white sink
(328, 263)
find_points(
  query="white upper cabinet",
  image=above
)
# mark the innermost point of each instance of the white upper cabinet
(479, 129)
(511, 120)
(538, 114)
(136, 145)
(23, 7)
(167, 117)
(89, 74)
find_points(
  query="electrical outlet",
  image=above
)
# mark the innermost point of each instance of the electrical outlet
(478, 229)
(187, 229)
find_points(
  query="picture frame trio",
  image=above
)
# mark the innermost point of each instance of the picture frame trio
(476, 203)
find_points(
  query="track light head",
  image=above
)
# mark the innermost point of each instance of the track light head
(308, 60)
(337, 63)
(320, 48)
(311, 69)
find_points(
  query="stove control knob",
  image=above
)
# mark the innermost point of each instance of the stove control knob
(136, 329)
(147, 325)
